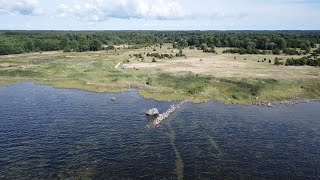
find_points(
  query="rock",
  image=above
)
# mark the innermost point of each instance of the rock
(152, 112)
(269, 105)
(113, 99)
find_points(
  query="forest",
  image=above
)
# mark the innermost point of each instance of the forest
(243, 42)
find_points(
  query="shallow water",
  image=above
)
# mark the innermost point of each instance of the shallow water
(65, 133)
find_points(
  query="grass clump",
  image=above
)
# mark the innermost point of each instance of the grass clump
(20, 73)
(232, 90)
(187, 83)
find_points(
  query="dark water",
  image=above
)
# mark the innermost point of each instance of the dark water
(48, 133)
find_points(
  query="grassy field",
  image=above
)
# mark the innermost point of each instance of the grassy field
(230, 78)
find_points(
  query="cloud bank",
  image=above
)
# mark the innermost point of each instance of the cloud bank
(20, 7)
(159, 14)
(100, 10)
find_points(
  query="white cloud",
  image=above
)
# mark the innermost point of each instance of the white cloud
(161, 14)
(100, 10)
(20, 7)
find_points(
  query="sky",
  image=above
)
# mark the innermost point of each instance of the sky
(160, 14)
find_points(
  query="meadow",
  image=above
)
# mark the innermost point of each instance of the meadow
(196, 76)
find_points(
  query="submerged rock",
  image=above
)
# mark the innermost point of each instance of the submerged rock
(152, 112)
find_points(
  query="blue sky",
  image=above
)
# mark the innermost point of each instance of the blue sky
(160, 15)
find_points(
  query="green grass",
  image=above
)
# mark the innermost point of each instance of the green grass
(232, 90)
(20, 73)
(188, 83)
(96, 72)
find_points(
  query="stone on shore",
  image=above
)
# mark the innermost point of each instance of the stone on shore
(152, 112)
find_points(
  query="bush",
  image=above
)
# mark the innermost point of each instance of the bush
(276, 51)
(291, 51)
(302, 62)
(277, 62)
(244, 51)
(67, 49)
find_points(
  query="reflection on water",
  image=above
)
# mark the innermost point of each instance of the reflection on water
(58, 133)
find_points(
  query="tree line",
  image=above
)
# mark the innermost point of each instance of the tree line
(244, 42)
(304, 61)
(311, 60)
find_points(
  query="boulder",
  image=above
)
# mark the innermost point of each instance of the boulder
(152, 112)
(269, 105)
(113, 99)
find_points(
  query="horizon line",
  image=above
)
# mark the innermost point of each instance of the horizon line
(96, 30)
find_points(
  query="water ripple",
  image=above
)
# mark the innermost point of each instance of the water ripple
(48, 133)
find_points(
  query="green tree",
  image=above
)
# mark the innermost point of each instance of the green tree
(74, 45)
(7, 47)
(65, 41)
(305, 47)
(83, 44)
(315, 55)
(276, 51)
(281, 43)
(67, 49)
(95, 45)
(29, 45)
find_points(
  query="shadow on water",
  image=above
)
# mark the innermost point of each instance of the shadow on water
(48, 133)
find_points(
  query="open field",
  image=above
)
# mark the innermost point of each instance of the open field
(225, 66)
(230, 78)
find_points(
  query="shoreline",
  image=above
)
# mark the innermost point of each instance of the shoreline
(198, 77)
(139, 89)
